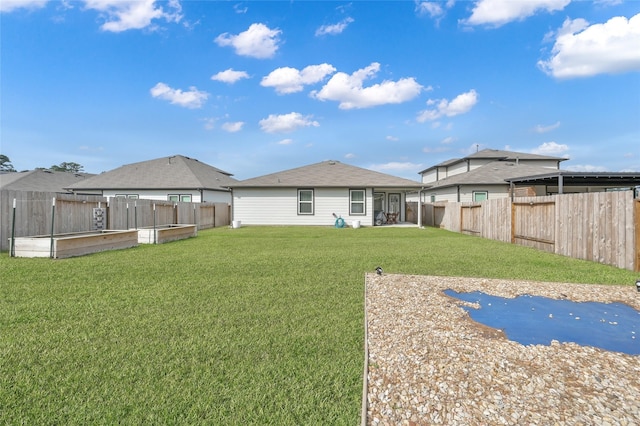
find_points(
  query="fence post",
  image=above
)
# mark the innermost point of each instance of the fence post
(53, 215)
(12, 253)
(513, 221)
(636, 226)
(154, 223)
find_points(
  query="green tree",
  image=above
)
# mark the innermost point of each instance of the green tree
(5, 164)
(67, 167)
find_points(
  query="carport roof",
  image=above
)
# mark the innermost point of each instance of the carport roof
(569, 178)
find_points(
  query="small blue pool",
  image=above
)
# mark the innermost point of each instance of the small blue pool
(532, 320)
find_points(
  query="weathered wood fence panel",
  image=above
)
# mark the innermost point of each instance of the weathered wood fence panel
(35, 211)
(533, 222)
(602, 227)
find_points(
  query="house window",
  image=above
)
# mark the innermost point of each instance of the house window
(185, 198)
(433, 198)
(480, 195)
(356, 202)
(305, 201)
(129, 196)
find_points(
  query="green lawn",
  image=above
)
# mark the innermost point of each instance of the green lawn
(257, 325)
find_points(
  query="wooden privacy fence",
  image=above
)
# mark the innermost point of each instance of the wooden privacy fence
(602, 227)
(36, 214)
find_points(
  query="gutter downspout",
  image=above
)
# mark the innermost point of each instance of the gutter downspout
(458, 193)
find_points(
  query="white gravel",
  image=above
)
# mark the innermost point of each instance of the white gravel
(429, 363)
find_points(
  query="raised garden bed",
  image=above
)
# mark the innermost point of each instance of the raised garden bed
(73, 244)
(166, 233)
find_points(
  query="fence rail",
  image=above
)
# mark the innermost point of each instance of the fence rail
(36, 213)
(602, 227)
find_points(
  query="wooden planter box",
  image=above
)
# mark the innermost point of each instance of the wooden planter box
(74, 244)
(166, 233)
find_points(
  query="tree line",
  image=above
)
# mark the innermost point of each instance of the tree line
(6, 166)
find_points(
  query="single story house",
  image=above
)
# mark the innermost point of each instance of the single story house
(175, 178)
(319, 193)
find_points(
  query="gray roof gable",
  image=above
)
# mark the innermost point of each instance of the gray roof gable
(41, 180)
(174, 172)
(493, 173)
(328, 174)
(495, 154)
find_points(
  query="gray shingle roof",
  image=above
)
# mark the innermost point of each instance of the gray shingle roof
(41, 180)
(510, 155)
(174, 172)
(494, 154)
(328, 174)
(493, 173)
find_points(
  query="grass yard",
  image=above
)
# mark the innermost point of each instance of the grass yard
(257, 325)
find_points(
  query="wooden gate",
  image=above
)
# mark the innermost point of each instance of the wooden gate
(533, 223)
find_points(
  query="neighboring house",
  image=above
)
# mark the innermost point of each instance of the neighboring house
(41, 180)
(482, 175)
(490, 174)
(313, 194)
(174, 178)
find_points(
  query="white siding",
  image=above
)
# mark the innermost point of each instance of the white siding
(163, 194)
(279, 206)
(466, 192)
(430, 176)
(455, 169)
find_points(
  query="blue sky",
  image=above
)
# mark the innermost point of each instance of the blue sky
(256, 87)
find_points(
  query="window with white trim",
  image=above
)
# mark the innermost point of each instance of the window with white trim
(185, 198)
(480, 196)
(305, 201)
(357, 202)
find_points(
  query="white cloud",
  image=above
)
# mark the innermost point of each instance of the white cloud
(259, 41)
(286, 123)
(335, 28)
(433, 8)
(544, 129)
(209, 122)
(350, 155)
(436, 150)
(392, 138)
(448, 140)
(581, 50)
(286, 141)
(586, 168)
(290, 80)
(193, 98)
(229, 76)
(349, 90)
(11, 5)
(232, 127)
(459, 105)
(122, 15)
(499, 12)
(395, 166)
(551, 148)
